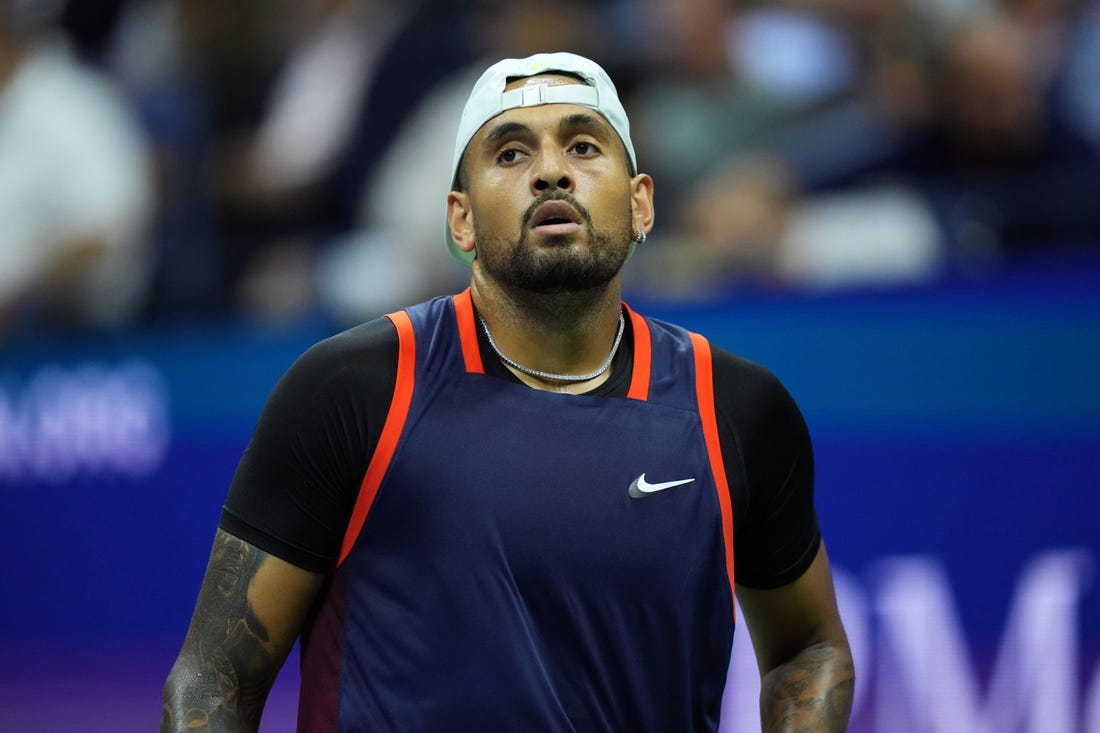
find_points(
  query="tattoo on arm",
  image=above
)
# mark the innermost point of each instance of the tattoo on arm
(226, 668)
(812, 693)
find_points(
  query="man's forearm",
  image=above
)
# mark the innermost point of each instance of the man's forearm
(225, 669)
(208, 700)
(812, 693)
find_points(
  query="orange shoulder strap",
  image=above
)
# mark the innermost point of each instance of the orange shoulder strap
(391, 430)
(704, 389)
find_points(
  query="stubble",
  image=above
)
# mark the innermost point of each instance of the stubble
(561, 264)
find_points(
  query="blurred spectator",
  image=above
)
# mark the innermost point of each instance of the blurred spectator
(74, 185)
(948, 153)
(721, 86)
(200, 71)
(693, 102)
(796, 55)
(294, 175)
(267, 120)
(1000, 162)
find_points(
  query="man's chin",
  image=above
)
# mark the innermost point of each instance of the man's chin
(564, 273)
(556, 264)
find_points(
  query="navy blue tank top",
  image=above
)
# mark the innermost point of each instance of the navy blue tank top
(522, 560)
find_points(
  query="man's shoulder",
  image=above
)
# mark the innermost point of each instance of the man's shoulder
(364, 338)
(359, 355)
(729, 365)
(746, 390)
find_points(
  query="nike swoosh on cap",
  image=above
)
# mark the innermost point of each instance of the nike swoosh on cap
(641, 488)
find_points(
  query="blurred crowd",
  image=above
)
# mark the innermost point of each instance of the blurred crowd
(276, 160)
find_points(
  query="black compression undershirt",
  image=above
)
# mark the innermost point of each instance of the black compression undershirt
(298, 480)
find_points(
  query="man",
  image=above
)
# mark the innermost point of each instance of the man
(523, 507)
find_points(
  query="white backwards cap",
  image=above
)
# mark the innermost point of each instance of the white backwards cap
(488, 99)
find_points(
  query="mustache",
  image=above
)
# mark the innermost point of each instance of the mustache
(555, 196)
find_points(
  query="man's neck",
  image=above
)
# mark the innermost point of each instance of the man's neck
(563, 333)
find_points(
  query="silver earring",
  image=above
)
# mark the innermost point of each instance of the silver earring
(640, 236)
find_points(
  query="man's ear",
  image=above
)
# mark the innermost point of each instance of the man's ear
(641, 203)
(460, 219)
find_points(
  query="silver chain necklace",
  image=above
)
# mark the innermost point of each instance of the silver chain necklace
(549, 375)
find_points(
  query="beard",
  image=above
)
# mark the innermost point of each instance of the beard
(561, 265)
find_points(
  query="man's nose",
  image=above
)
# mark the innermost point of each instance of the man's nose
(551, 171)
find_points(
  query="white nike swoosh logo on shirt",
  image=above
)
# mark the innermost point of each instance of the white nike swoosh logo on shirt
(641, 488)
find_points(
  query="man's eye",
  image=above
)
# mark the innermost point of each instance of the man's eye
(508, 156)
(584, 148)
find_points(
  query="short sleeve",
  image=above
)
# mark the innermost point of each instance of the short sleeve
(297, 482)
(768, 455)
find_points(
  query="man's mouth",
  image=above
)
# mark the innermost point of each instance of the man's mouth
(555, 218)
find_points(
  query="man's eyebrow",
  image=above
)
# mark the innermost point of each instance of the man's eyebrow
(577, 122)
(584, 122)
(505, 130)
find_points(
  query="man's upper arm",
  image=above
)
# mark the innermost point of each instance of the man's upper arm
(784, 584)
(250, 610)
(297, 482)
(786, 620)
(807, 678)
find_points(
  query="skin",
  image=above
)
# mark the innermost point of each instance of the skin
(250, 610)
(252, 606)
(806, 670)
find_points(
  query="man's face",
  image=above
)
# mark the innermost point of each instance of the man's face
(549, 196)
